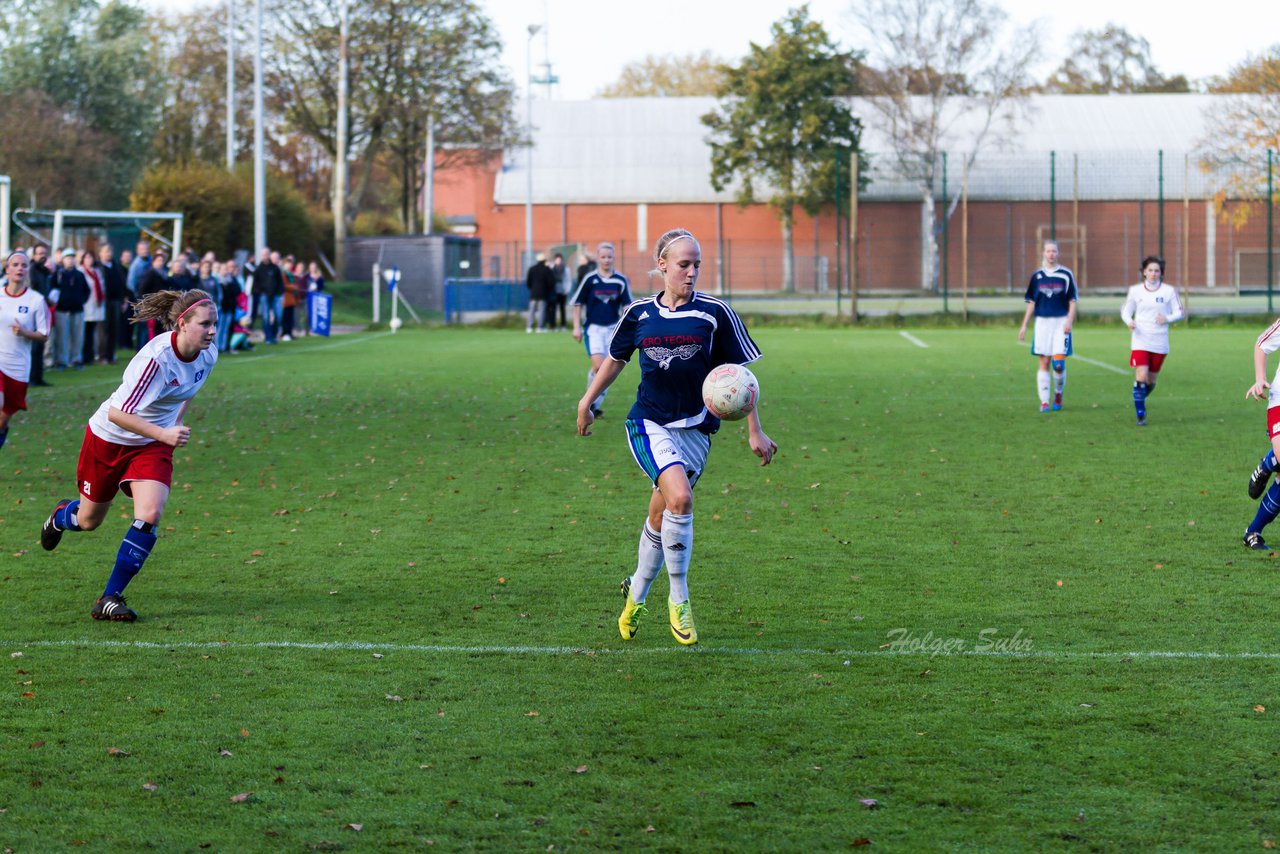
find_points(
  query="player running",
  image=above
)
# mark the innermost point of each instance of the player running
(1148, 310)
(24, 319)
(128, 444)
(680, 335)
(1051, 297)
(602, 294)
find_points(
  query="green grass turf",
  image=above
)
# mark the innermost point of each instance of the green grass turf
(385, 595)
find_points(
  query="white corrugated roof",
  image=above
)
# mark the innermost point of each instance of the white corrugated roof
(654, 150)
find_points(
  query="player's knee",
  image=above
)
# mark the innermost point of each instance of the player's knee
(680, 503)
(1059, 365)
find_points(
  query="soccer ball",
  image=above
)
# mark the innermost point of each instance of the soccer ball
(730, 392)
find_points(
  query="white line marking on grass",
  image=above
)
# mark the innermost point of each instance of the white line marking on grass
(258, 357)
(913, 339)
(517, 650)
(1096, 363)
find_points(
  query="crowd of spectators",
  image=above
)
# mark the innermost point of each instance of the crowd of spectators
(91, 296)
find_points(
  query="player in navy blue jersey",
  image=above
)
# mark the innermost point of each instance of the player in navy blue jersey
(1051, 297)
(602, 295)
(680, 335)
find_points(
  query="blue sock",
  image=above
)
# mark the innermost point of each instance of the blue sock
(1140, 399)
(65, 519)
(137, 544)
(1268, 509)
(1149, 390)
(4, 434)
(1269, 461)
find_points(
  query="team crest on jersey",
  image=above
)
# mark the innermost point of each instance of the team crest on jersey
(23, 309)
(664, 356)
(199, 375)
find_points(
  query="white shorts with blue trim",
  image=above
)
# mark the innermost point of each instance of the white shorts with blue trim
(1050, 339)
(657, 448)
(596, 338)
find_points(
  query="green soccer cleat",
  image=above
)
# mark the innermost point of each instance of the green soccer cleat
(629, 621)
(682, 622)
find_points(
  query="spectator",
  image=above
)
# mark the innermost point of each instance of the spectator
(587, 266)
(556, 302)
(70, 291)
(315, 284)
(292, 288)
(113, 282)
(138, 267)
(541, 284)
(268, 293)
(231, 291)
(154, 280)
(95, 307)
(180, 277)
(41, 279)
(211, 283)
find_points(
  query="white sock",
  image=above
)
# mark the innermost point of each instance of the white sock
(591, 376)
(1059, 381)
(1042, 381)
(677, 547)
(648, 564)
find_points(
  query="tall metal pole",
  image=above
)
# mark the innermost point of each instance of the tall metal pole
(340, 151)
(1271, 159)
(1053, 195)
(1160, 190)
(259, 164)
(528, 202)
(429, 177)
(945, 234)
(231, 84)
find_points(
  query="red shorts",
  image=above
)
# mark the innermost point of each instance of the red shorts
(106, 468)
(1153, 361)
(15, 394)
(1273, 421)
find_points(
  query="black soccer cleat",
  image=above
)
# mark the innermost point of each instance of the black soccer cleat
(50, 533)
(1258, 482)
(1253, 540)
(113, 607)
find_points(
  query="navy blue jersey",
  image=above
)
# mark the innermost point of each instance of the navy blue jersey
(678, 348)
(1052, 291)
(603, 296)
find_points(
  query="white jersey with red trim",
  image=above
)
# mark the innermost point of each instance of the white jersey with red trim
(155, 386)
(1142, 306)
(29, 310)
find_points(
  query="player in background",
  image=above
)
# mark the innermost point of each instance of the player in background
(1148, 310)
(24, 319)
(1051, 297)
(680, 335)
(602, 295)
(1268, 342)
(128, 443)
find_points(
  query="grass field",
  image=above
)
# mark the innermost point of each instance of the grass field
(382, 611)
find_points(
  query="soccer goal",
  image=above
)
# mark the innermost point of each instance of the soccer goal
(58, 222)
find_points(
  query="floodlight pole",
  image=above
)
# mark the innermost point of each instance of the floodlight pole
(528, 203)
(259, 166)
(4, 215)
(231, 85)
(429, 176)
(340, 151)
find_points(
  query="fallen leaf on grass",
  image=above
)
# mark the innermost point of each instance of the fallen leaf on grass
(740, 804)
(15, 655)
(1058, 582)
(869, 803)
(244, 733)
(581, 769)
(225, 753)
(36, 745)
(150, 787)
(1259, 709)
(241, 798)
(356, 827)
(27, 695)
(1159, 566)
(649, 829)
(115, 751)
(860, 841)
(531, 714)
(377, 655)
(256, 553)
(395, 699)
(1266, 843)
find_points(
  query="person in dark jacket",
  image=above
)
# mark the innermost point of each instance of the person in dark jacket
(181, 276)
(153, 280)
(541, 282)
(232, 287)
(268, 293)
(72, 290)
(41, 277)
(114, 279)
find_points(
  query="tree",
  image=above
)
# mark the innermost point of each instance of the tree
(783, 121)
(92, 63)
(1108, 60)
(1240, 128)
(53, 158)
(670, 76)
(948, 76)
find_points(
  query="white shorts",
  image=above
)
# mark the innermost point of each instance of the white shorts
(596, 337)
(1050, 339)
(657, 448)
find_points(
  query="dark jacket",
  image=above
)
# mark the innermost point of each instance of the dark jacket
(183, 281)
(152, 281)
(267, 280)
(41, 278)
(113, 280)
(230, 295)
(540, 281)
(73, 289)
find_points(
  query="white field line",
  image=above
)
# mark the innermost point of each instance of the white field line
(559, 651)
(913, 339)
(1096, 363)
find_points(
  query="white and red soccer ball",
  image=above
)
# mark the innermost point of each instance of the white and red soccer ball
(731, 392)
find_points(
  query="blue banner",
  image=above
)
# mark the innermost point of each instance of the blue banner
(319, 307)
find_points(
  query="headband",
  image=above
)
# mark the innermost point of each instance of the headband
(673, 240)
(188, 308)
(21, 252)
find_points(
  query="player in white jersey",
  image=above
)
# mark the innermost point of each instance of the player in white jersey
(1268, 342)
(24, 318)
(677, 337)
(1149, 308)
(128, 444)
